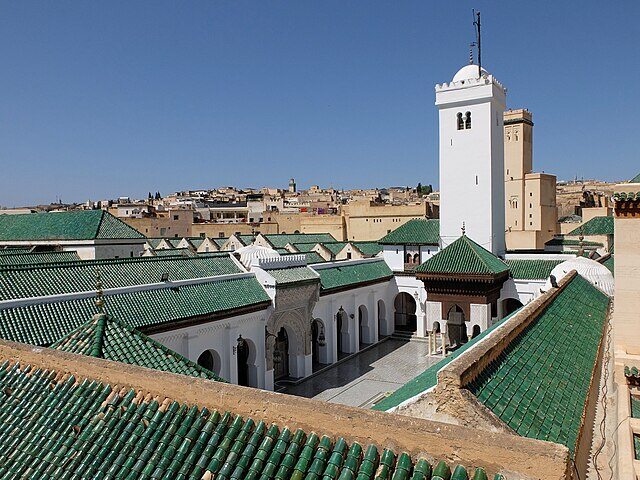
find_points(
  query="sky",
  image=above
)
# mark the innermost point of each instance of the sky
(107, 99)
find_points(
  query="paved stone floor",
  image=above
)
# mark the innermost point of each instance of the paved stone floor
(364, 377)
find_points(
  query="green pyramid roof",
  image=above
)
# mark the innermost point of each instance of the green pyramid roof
(108, 338)
(595, 226)
(464, 256)
(72, 225)
(635, 179)
(418, 231)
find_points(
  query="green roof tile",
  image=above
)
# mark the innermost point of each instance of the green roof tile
(293, 275)
(73, 225)
(595, 226)
(635, 179)
(349, 275)
(420, 231)
(313, 257)
(20, 281)
(539, 384)
(281, 240)
(44, 323)
(60, 426)
(609, 263)
(334, 247)
(305, 247)
(38, 257)
(108, 338)
(531, 269)
(368, 248)
(463, 256)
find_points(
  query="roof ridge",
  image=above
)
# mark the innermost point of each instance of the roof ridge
(98, 334)
(477, 254)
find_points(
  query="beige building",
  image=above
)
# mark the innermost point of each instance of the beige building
(366, 220)
(170, 224)
(530, 211)
(225, 230)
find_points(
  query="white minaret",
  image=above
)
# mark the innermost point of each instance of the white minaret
(472, 158)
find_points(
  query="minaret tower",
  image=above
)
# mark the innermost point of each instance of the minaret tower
(471, 111)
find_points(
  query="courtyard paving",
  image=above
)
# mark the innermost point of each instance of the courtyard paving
(362, 379)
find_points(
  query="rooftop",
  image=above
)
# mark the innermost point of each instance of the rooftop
(43, 323)
(37, 257)
(23, 281)
(349, 275)
(420, 231)
(463, 256)
(66, 415)
(72, 225)
(531, 269)
(595, 226)
(108, 338)
(539, 384)
(280, 240)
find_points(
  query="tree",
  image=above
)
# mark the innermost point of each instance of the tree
(419, 188)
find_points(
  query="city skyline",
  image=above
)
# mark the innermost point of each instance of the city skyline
(105, 102)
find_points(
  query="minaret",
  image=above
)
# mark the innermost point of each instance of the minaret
(471, 111)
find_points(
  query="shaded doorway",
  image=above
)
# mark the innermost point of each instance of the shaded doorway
(405, 313)
(456, 327)
(281, 355)
(242, 354)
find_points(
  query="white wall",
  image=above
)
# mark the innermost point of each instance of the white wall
(472, 163)
(221, 336)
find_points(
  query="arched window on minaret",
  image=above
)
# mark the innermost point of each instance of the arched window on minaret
(467, 120)
(460, 121)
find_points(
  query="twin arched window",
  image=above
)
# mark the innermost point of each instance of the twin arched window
(464, 123)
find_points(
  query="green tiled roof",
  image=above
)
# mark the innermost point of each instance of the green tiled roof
(73, 225)
(313, 257)
(220, 241)
(174, 252)
(595, 226)
(429, 378)
(59, 426)
(38, 257)
(531, 269)
(304, 247)
(635, 179)
(44, 323)
(334, 247)
(539, 384)
(368, 248)
(636, 446)
(562, 241)
(609, 263)
(350, 275)
(280, 240)
(108, 338)
(420, 231)
(69, 277)
(464, 256)
(293, 275)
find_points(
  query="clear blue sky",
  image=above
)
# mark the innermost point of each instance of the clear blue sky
(100, 99)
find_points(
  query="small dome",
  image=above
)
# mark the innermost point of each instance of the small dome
(467, 72)
(596, 273)
(251, 253)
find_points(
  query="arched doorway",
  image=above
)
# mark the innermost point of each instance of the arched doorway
(456, 326)
(281, 355)
(436, 327)
(405, 313)
(510, 305)
(242, 354)
(381, 318)
(363, 325)
(342, 332)
(210, 360)
(317, 340)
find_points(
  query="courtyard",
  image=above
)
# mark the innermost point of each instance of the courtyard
(362, 379)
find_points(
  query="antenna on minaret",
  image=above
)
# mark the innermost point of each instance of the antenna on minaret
(478, 42)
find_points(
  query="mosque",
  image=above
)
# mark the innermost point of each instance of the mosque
(516, 396)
